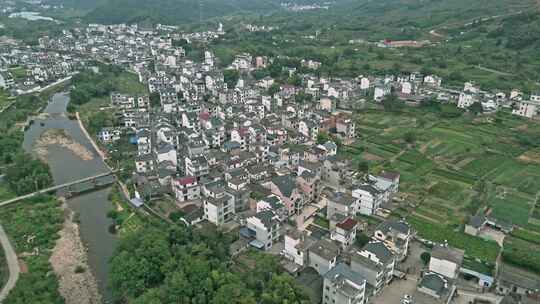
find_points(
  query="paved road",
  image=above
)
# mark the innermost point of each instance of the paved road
(12, 262)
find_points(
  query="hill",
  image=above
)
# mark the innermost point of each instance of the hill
(175, 11)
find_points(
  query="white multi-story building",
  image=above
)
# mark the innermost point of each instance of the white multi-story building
(144, 142)
(527, 109)
(535, 96)
(376, 262)
(167, 153)
(196, 166)
(344, 232)
(344, 286)
(108, 135)
(186, 189)
(396, 235)
(296, 245)
(369, 199)
(144, 163)
(219, 210)
(265, 228)
(466, 100)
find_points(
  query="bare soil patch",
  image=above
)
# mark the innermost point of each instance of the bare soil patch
(371, 157)
(530, 157)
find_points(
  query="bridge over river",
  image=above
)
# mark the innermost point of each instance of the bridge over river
(99, 180)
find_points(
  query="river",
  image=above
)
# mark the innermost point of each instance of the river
(65, 167)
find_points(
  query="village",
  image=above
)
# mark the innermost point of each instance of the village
(258, 159)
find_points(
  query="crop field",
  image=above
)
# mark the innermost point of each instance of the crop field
(512, 208)
(454, 167)
(522, 253)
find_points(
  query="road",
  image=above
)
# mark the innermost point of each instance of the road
(12, 262)
(54, 188)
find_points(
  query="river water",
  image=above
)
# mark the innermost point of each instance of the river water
(92, 207)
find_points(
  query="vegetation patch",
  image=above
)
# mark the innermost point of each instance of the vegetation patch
(180, 264)
(474, 247)
(521, 253)
(511, 208)
(33, 227)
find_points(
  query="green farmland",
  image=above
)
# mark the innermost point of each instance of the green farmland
(454, 166)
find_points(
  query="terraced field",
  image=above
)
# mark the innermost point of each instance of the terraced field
(455, 167)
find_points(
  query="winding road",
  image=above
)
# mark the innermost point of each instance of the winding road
(12, 262)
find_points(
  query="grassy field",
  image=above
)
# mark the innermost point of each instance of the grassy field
(455, 166)
(5, 192)
(127, 219)
(4, 99)
(475, 247)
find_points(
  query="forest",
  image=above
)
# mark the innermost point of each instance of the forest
(183, 265)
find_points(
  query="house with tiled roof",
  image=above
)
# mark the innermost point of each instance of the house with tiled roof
(186, 188)
(342, 285)
(396, 234)
(285, 188)
(377, 262)
(343, 230)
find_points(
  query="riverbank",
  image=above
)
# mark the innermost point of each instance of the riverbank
(91, 140)
(70, 263)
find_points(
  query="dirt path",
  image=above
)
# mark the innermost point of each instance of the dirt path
(13, 265)
(70, 263)
(434, 33)
(494, 71)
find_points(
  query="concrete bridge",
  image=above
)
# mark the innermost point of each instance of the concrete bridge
(54, 188)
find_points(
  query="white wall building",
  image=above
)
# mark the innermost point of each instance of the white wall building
(528, 109)
(369, 199)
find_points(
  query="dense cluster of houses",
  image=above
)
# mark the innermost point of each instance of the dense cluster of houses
(258, 160)
(25, 70)
(522, 105)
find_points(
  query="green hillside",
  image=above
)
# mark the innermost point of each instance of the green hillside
(175, 11)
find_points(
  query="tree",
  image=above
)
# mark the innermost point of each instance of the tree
(363, 166)
(139, 264)
(294, 80)
(476, 108)
(155, 101)
(231, 77)
(184, 265)
(282, 289)
(410, 137)
(362, 239)
(456, 77)
(27, 175)
(274, 88)
(425, 257)
(323, 137)
(392, 104)
(175, 216)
